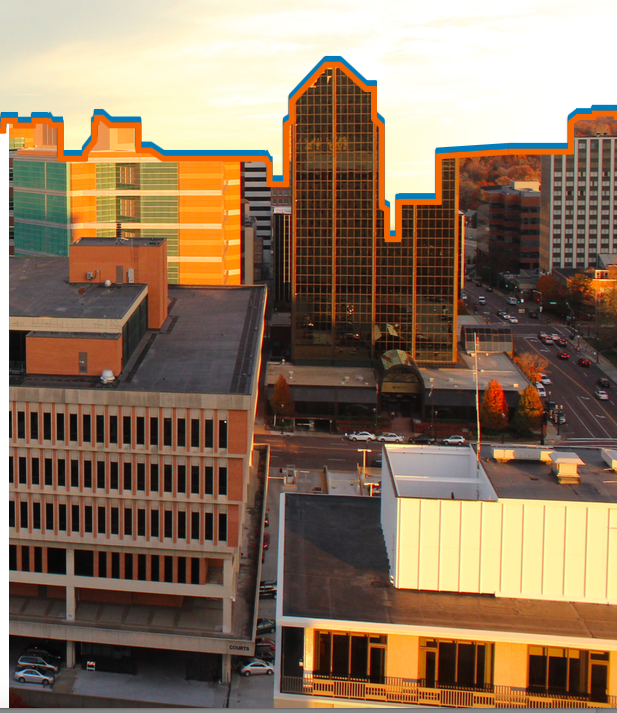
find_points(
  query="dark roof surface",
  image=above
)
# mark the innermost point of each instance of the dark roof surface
(336, 567)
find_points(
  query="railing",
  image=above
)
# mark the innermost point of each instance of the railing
(410, 692)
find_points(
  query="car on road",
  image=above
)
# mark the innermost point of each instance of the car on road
(478, 284)
(423, 440)
(488, 288)
(604, 383)
(482, 300)
(534, 315)
(265, 626)
(544, 379)
(541, 390)
(555, 337)
(511, 319)
(266, 540)
(584, 362)
(360, 436)
(267, 589)
(561, 342)
(602, 395)
(542, 336)
(32, 675)
(453, 441)
(266, 521)
(391, 438)
(558, 417)
(563, 355)
(37, 662)
(256, 666)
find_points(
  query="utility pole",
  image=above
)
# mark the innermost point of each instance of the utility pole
(477, 397)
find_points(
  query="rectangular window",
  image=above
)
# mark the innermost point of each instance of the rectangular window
(155, 573)
(47, 427)
(86, 428)
(49, 471)
(11, 469)
(100, 475)
(140, 436)
(75, 518)
(74, 473)
(62, 517)
(141, 523)
(49, 516)
(209, 480)
(182, 479)
(115, 521)
(23, 515)
(25, 558)
(128, 565)
(141, 476)
(223, 527)
(167, 432)
(35, 479)
(36, 516)
(60, 427)
(128, 477)
(141, 567)
(167, 478)
(195, 570)
(209, 526)
(195, 479)
(61, 473)
(455, 663)
(114, 477)
(154, 523)
(21, 424)
(181, 525)
(154, 431)
(169, 568)
(11, 429)
(87, 474)
(128, 521)
(209, 433)
(126, 430)
(222, 481)
(88, 518)
(115, 565)
(182, 570)
(72, 427)
(13, 557)
(102, 521)
(194, 433)
(154, 478)
(194, 526)
(34, 426)
(23, 470)
(222, 434)
(181, 432)
(113, 429)
(102, 564)
(100, 429)
(168, 523)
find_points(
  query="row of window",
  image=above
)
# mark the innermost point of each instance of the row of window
(124, 477)
(138, 431)
(125, 522)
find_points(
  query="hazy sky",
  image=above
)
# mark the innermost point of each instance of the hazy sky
(207, 74)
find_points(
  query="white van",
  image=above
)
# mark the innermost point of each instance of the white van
(512, 301)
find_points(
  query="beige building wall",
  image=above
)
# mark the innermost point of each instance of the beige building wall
(510, 665)
(402, 656)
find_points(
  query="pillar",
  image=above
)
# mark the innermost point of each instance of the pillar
(226, 668)
(228, 596)
(70, 654)
(70, 584)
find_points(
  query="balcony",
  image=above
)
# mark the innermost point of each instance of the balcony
(409, 692)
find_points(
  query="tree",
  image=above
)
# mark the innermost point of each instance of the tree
(580, 292)
(494, 408)
(529, 411)
(531, 365)
(282, 401)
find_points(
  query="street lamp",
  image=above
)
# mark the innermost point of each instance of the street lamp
(364, 451)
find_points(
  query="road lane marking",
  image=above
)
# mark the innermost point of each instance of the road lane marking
(592, 416)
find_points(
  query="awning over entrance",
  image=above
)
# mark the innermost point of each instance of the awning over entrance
(399, 373)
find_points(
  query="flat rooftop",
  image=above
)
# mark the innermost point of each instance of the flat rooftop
(336, 567)
(352, 377)
(496, 366)
(39, 287)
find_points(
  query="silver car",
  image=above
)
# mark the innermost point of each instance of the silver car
(27, 661)
(31, 675)
(256, 666)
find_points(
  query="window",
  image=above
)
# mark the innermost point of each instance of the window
(355, 656)
(128, 521)
(35, 475)
(456, 663)
(61, 473)
(11, 469)
(11, 513)
(222, 434)
(49, 516)
(223, 527)
(154, 524)
(141, 476)
(195, 526)
(113, 429)
(23, 515)
(195, 479)
(34, 426)
(141, 523)
(222, 481)
(60, 427)
(36, 516)
(209, 480)
(155, 573)
(114, 475)
(72, 427)
(62, 517)
(140, 436)
(209, 526)
(88, 518)
(23, 470)
(102, 564)
(182, 479)
(49, 471)
(100, 429)
(102, 521)
(167, 478)
(47, 427)
(182, 570)
(209, 433)
(154, 478)
(115, 521)
(141, 567)
(87, 428)
(115, 565)
(74, 474)
(87, 474)
(560, 671)
(168, 523)
(21, 424)
(154, 431)
(169, 568)
(128, 477)
(126, 430)
(100, 475)
(181, 524)
(75, 518)
(181, 432)
(194, 433)
(167, 432)
(10, 426)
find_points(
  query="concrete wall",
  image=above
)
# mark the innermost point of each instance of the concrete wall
(510, 665)
(402, 656)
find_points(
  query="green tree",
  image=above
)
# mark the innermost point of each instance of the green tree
(494, 408)
(282, 401)
(529, 411)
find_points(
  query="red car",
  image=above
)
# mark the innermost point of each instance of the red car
(584, 362)
(563, 355)
(266, 540)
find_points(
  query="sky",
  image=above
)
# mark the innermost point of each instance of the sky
(203, 74)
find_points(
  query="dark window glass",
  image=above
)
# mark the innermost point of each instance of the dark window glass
(36, 516)
(140, 436)
(114, 470)
(168, 523)
(222, 481)
(34, 426)
(61, 473)
(223, 527)
(25, 558)
(181, 525)
(113, 429)
(115, 565)
(209, 480)
(195, 479)
(59, 426)
(168, 478)
(100, 429)
(209, 526)
(154, 478)
(74, 473)
(21, 424)
(155, 574)
(11, 429)
(49, 516)
(128, 476)
(194, 433)
(11, 476)
(128, 521)
(169, 568)
(100, 475)
(11, 513)
(72, 426)
(167, 432)
(75, 518)
(87, 474)
(13, 557)
(222, 434)
(181, 432)
(23, 470)
(88, 518)
(141, 476)
(102, 521)
(209, 433)
(35, 471)
(115, 521)
(154, 431)
(182, 570)
(182, 479)
(194, 526)
(141, 523)
(86, 428)
(47, 427)
(154, 523)
(126, 430)
(62, 517)
(38, 559)
(141, 567)
(194, 570)
(102, 564)
(49, 471)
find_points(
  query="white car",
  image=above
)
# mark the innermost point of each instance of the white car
(257, 666)
(513, 320)
(453, 441)
(543, 378)
(602, 395)
(482, 300)
(541, 390)
(391, 438)
(360, 436)
(555, 337)
(31, 675)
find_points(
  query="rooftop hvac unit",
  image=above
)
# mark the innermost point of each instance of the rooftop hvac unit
(130, 275)
(107, 283)
(107, 376)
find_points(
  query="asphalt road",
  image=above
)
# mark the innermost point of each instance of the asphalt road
(589, 420)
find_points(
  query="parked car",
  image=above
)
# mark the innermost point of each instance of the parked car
(584, 362)
(544, 379)
(256, 666)
(604, 383)
(266, 521)
(489, 288)
(541, 390)
(266, 540)
(534, 315)
(267, 589)
(31, 675)
(602, 395)
(360, 436)
(423, 440)
(37, 662)
(391, 438)
(265, 643)
(453, 441)
(265, 626)
(563, 355)
(47, 652)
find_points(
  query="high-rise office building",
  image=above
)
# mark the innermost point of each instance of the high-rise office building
(257, 192)
(579, 204)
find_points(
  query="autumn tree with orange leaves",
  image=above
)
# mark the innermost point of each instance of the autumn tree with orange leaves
(494, 408)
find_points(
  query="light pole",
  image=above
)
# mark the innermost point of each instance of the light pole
(364, 451)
